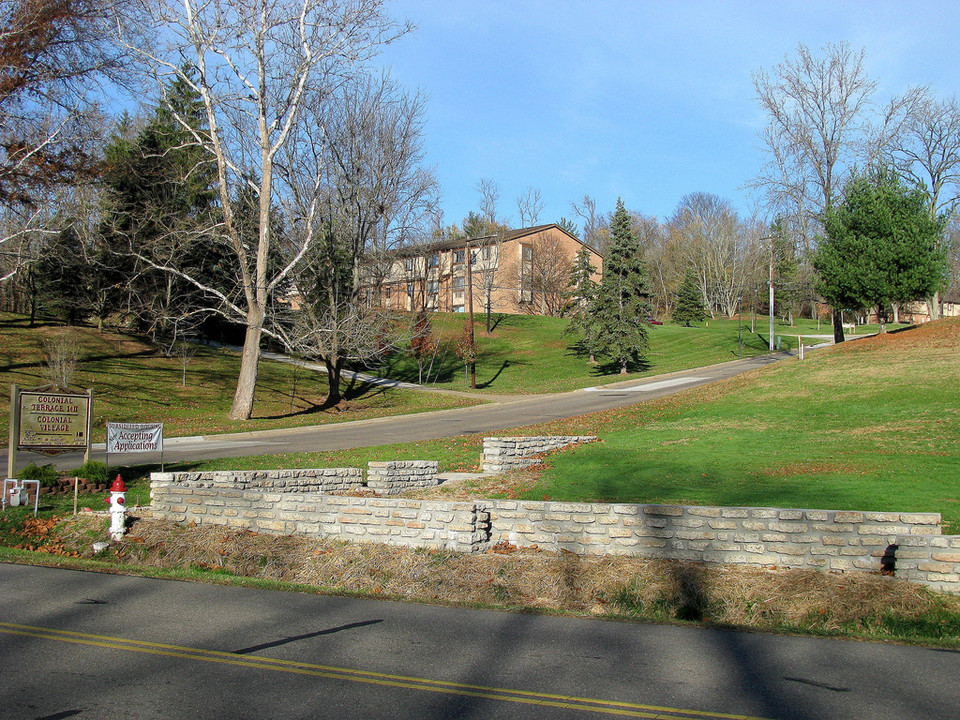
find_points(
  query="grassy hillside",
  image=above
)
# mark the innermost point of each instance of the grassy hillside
(531, 354)
(872, 424)
(133, 382)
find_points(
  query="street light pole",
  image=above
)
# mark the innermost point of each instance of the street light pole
(473, 362)
(771, 293)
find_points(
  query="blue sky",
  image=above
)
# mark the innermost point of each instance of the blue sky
(644, 100)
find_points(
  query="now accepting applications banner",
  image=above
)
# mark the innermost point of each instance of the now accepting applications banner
(134, 437)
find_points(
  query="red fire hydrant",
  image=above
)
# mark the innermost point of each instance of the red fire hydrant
(118, 509)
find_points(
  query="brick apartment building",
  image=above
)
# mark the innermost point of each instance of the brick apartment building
(520, 271)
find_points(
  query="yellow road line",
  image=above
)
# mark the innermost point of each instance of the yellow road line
(622, 709)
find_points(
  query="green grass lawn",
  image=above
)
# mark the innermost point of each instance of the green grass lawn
(869, 425)
(133, 382)
(531, 354)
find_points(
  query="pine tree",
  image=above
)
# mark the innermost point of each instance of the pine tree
(689, 304)
(160, 203)
(881, 247)
(583, 291)
(621, 308)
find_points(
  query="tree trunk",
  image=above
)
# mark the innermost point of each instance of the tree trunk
(334, 367)
(242, 407)
(933, 306)
(837, 326)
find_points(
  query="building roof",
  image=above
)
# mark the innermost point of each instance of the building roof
(457, 243)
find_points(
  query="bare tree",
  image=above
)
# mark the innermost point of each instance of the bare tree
(666, 270)
(489, 197)
(54, 55)
(375, 181)
(377, 196)
(708, 237)
(593, 223)
(529, 207)
(61, 357)
(337, 333)
(542, 276)
(928, 153)
(821, 123)
(258, 65)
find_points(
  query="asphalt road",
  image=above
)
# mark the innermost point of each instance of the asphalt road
(517, 412)
(87, 645)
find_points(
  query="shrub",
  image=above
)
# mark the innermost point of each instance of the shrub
(94, 471)
(46, 474)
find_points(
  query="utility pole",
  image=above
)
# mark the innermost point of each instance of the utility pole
(771, 293)
(473, 362)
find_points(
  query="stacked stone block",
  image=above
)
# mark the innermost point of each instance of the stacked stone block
(510, 453)
(461, 527)
(324, 480)
(932, 561)
(286, 502)
(394, 476)
(822, 539)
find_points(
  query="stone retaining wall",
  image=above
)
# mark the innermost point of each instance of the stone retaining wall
(458, 526)
(322, 480)
(931, 561)
(823, 539)
(391, 477)
(832, 540)
(509, 453)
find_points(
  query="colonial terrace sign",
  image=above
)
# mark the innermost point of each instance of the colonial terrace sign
(48, 421)
(53, 421)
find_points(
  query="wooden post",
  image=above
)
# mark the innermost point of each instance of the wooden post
(14, 431)
(86, 452)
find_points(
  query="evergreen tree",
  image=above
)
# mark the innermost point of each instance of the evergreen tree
(60, 277)
(689, 302)
(621, 307)
(583, 291)
(569, 226)
(882, 247)
(160, 206)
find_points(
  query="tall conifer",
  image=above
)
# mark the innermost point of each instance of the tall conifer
(583, 292)
(621, 307)
(689, 306)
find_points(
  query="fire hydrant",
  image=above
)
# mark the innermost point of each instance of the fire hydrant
(118, 510)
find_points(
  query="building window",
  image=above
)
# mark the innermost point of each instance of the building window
(388, 294)
(487, 252)
(433, 287)
(459, 256)
(410, 290)
(434, 260)
(458, 284)
(526, 273)
(458, 308)
(408, 264)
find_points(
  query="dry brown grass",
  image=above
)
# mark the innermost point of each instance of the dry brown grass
(529, 578)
